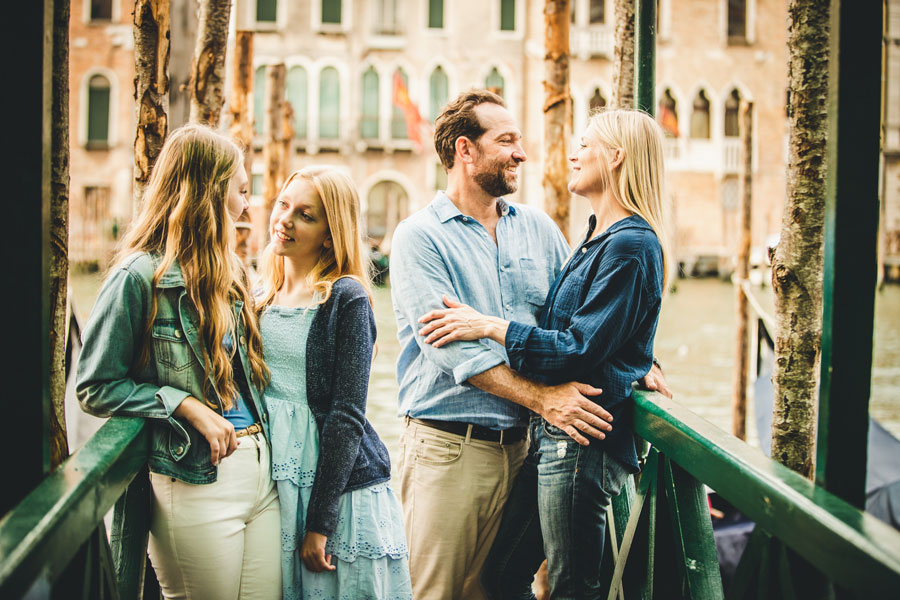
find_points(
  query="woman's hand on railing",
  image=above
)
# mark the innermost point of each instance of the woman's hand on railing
(218, 431)
(655, 381)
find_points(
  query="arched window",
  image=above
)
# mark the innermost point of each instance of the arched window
(296, 86)
(368, 125)
(700, 116)
(597, 100)
(329, 104)
(732, 106)
(668, 115)
(494, 82)
(259, 100)
(439, 92)
(387, 206)
(398, 117)
(98, 112)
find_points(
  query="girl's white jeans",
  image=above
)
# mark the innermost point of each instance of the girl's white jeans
(221, 540)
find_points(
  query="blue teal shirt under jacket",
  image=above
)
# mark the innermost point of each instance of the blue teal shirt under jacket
(438, 251)
(598, 323)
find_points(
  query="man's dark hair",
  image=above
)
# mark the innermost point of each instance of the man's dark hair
(458, 119)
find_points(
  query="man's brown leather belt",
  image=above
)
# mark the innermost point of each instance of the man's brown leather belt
(255, 428)
(504, 436)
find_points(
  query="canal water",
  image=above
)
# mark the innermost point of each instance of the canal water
(695, 343)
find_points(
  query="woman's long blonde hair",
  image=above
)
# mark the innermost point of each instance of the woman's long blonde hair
(346, 257)
(639, 186)
(184, 218)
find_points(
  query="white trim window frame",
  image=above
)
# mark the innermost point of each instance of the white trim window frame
(444, 29)
(115, 11)
(749, 23)
(316, 18)
(84, 96)
(519, 19)
(275, 25)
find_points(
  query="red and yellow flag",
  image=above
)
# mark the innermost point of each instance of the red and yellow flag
(403, 102)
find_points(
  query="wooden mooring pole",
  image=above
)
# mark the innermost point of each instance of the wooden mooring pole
(272, 151)
(208, 69)
(241, 96)
(557, 112)
(742, 270)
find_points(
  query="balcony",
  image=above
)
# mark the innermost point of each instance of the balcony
(731, 155)
(595, 41)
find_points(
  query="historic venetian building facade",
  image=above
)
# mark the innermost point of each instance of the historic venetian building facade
(344, 56)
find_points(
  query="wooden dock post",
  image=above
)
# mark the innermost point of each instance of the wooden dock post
(272, 151)
(742, 270)
(557, 112)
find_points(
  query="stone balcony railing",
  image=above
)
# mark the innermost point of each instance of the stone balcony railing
(596, 41)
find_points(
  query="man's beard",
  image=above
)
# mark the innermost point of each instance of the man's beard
(493, 180)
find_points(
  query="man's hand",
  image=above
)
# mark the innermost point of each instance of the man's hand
(312, 553)
(566, 407)
(563, 406)
(655, 381)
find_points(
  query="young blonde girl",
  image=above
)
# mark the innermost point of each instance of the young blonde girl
(174, 338)
(342, 529)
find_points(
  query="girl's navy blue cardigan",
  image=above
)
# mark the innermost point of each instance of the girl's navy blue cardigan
(338, 360)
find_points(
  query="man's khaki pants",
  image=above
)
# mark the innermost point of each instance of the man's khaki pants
(453, 489)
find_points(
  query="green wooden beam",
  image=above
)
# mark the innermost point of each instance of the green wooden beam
(645, 55)
(851, 234)
(41, 534)
(695, 546)
(130, 533)
(855, 549)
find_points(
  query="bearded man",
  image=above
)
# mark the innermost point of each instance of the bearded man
(464, 408)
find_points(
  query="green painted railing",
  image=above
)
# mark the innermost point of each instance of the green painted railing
(54, 542)
(804, 537)
(664, 547)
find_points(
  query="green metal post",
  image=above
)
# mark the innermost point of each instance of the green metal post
(25, 251)
(851, 232)
(645, 55)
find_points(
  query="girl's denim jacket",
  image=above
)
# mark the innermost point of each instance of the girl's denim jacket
(111, 380)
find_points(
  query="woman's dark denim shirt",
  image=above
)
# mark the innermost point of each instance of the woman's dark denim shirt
(111, 380)
(338, 361)
(598, 324)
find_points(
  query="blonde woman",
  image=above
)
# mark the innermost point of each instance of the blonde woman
(342, 526)
(174, 338)
(597, 326)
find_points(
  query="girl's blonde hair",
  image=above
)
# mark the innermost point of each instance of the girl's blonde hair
(639, 186)
(184, 219)
(346, 257)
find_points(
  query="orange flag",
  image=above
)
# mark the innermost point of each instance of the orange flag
(668, 120)
(413, 118)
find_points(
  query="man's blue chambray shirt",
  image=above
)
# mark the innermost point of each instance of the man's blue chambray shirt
(439, 251)
(598, 324)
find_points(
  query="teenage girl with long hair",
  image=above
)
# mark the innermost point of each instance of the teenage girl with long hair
(173, 337)
(597, 326)
(342, 526)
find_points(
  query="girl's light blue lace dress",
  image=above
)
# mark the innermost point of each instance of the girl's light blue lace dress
(369, 545)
